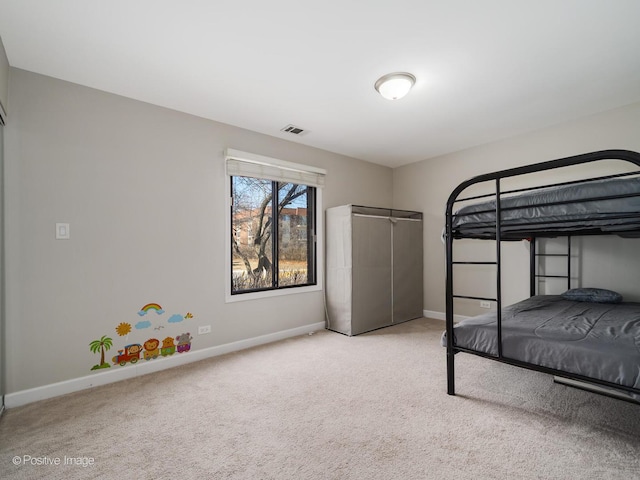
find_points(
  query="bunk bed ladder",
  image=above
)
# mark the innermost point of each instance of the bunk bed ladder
(450, 295)
(533, 262)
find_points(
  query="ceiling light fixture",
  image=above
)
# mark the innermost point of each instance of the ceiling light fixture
(394, 86)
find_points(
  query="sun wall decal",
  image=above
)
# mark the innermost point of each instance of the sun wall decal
(123, 329)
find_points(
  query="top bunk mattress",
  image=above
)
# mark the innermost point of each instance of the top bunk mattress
(600, 206)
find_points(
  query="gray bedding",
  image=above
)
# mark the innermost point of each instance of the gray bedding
(534, 214)
(597, 340)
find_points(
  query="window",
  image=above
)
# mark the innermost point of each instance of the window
(273, 229)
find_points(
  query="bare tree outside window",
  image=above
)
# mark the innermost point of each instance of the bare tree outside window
(272, 242)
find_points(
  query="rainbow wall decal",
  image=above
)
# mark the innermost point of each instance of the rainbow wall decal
(151, 306)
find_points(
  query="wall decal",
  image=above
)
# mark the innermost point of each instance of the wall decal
(123, 329)
(151, 306)
(184, 342)
(143, 324)
(168, 347)
(105, 343)
(131, 353)
(151, 350)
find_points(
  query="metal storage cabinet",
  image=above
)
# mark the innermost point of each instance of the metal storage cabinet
(374, 267)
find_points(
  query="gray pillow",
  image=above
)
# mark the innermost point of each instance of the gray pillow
(596, 295)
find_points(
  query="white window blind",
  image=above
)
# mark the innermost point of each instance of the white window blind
(251, 165)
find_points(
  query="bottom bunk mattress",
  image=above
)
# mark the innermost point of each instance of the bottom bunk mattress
(597, 340)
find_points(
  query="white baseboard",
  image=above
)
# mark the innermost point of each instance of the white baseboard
(24, 397)
(442, 315)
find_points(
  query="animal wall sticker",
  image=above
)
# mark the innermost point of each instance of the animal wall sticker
(150, 349)
(184, 342)
(130, 353)
(168, 347)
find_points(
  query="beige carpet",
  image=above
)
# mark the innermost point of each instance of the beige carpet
(327, 406)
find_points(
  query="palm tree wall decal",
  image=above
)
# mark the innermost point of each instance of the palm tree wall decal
(105, 343)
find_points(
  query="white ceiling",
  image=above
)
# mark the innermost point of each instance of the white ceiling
(486, 69)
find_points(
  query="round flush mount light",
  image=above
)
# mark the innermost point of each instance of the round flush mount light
(394, 86)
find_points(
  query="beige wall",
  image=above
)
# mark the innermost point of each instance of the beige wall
(143, 190)
(426, 186)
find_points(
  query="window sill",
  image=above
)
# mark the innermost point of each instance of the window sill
(271, 293)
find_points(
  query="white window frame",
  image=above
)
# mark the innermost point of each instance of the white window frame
(252, 160)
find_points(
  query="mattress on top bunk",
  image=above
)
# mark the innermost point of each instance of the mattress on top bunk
(533, 214)
(597, 340)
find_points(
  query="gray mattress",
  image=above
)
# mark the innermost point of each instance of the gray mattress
(598, 340)
(534, 214)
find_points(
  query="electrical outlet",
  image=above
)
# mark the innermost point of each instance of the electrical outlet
(485, 304)
(204, 329)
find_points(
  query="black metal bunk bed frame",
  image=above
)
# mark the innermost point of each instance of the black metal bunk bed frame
(499, 236)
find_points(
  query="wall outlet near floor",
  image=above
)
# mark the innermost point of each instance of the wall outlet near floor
(204, 329)
(485, 304)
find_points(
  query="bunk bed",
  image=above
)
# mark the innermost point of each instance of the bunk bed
(585, 337)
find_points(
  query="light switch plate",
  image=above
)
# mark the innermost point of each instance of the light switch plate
(62, 231)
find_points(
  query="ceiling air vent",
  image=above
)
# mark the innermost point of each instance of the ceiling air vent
(294, 130)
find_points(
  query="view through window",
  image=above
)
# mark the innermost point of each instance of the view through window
(272, 235)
